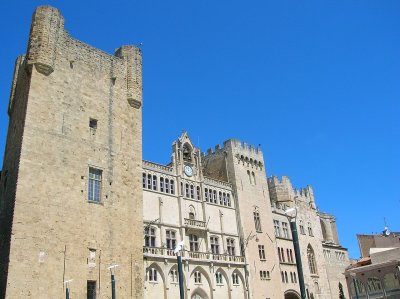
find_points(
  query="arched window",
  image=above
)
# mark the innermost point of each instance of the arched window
(249, 175)
(257, 221)
(210, 195)
(206, 194)
(310, 232)
(228, 199)
(301, 225)
(187, 152)
(311, 260)
(254, 178)
(220, 198)
(224, 199)
(215, 196)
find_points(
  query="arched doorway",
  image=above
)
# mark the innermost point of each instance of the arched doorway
(292, 294)
(199, 293)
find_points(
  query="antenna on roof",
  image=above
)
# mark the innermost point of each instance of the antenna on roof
(386, 231)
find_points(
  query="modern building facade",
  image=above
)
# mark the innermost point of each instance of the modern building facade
(377, 273)
(79, 205)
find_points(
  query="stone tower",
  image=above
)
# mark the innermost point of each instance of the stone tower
(243, 166)
(70, 195)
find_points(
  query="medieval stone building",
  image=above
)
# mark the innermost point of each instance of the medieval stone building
(78, 204)
(71, 196)
(238, 242)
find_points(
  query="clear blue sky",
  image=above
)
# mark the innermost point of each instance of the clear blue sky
(316, 83)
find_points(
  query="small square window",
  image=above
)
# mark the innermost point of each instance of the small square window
(93, 123)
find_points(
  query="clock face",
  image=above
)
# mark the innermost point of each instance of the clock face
(188, 170)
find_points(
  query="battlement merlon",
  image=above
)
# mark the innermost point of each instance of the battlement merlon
(47, 26)
(284, 185)
(133, 57)
(47, 42)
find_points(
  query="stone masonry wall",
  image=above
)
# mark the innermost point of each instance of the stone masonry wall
(57, 234)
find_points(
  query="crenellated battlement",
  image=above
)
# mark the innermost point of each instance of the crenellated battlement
(282, 190)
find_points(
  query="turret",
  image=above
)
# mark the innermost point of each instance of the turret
(46, 29)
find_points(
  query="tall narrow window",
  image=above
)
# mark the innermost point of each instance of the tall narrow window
(220, 198)
(311, 260)
(144, 180)
(152, 274)
(206, 194)
(191, 191)
(172, 186)
(197, 277)
(235, 278)
(285, 230)
(149, 180)
(173, 274)
(283, 255)
(310, 232)
(215, 196)
(198, 192)
(210, 195)
(218, 277)
(279, 254)
(91, 289)
(161, 184)
(95, 176)
(301, 225)
(291, 256)
(257, 222)
(154, 182)
(254, 178)
(249, 175)
(166, 185)
(187, 190)
(228, 198)
(214, 245)
(230, 246)
(224, 198)
(194, 242)
(171, 239)
(149, 237)
(261, 252)
(277, 228)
